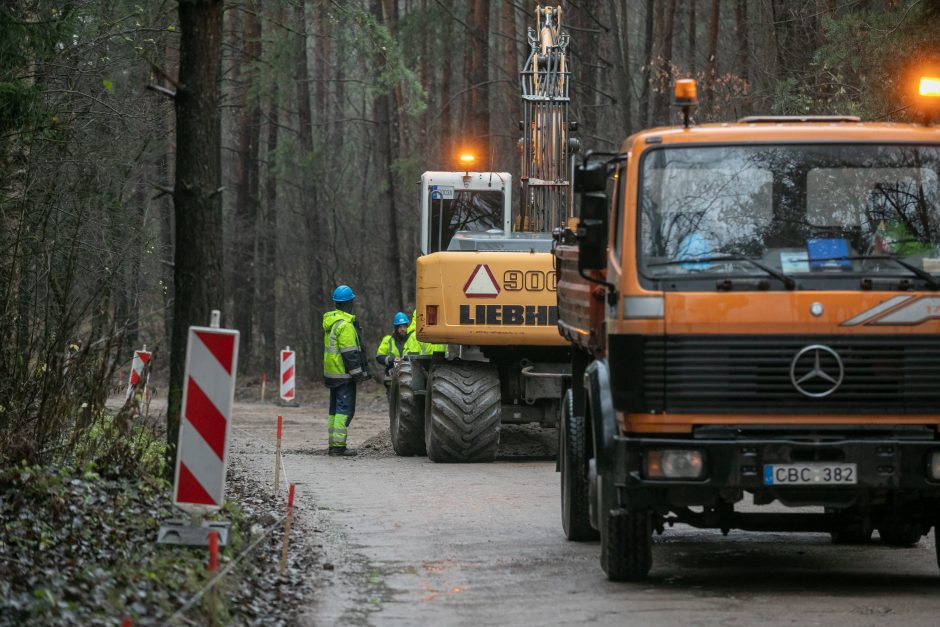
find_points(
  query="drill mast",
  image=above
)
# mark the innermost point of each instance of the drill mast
(546, 146)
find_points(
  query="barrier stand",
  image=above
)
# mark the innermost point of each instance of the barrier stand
(212, 568)
(202, 449)
(138, 364)
(277, 458)
(264, 384)
(287, 524)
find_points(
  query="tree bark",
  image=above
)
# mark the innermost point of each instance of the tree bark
(267, 242)
(693, 26)
(197, 199)
(624, 79)
(314, 215)
(744, 54)
(476, 112)
(246, 200)
(646, 95)
(712, 61)
(664, 75)
(386, 115)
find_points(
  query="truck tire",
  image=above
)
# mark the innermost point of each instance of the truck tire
(462, 412)
(936, 542)
(572, 453)
(901, 534)
(855, 533)
(626, 545)
(406, 411)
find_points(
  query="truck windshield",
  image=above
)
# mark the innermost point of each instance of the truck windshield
(462, 210)
(810, 211)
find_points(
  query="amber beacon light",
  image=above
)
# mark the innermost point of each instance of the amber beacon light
(930, 86)
(685, 96)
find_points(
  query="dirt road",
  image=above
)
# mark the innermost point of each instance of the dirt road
(411, 542)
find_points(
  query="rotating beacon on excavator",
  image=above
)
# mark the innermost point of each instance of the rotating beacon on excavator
(486, 282)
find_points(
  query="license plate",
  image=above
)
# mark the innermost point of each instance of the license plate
(810, 474)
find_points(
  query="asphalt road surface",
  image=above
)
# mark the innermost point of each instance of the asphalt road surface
(407, 542)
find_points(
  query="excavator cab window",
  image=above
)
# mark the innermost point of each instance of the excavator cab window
(462, 210)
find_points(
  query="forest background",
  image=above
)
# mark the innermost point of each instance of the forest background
(331, 109)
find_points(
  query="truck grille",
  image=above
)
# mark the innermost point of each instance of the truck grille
(751, 374)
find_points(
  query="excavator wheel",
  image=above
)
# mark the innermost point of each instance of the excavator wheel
(406, 409)
(575, 497)
(462, 412)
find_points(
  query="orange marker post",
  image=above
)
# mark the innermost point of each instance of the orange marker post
(287, 525)
(277, 458)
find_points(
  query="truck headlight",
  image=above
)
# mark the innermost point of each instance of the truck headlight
(675, 464)
(935, 465)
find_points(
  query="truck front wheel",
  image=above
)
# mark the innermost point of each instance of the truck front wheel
(626, 545)
(463, 412)
(901, 534)
(406, 410)
(575, 497)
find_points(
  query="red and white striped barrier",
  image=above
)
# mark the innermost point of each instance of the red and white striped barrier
(141, 359)
(288, 374)
(208, 395)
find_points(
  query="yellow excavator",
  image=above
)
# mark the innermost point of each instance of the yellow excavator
(486, 282)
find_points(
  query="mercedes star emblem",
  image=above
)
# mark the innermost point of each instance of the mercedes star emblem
(817, 371)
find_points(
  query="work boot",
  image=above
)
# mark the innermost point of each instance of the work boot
(342, 451)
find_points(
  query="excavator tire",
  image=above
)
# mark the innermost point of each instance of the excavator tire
(462, 412)
(406, 410)
(575, 497)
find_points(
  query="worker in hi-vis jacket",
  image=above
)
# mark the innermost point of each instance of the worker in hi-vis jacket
(344, 365)
(392, 346)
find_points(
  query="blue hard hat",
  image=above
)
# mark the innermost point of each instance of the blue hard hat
(343, 294)
(400, 319)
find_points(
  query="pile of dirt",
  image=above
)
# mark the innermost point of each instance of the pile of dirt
(379, 445)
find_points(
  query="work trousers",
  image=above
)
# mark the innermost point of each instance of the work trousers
(342, 408)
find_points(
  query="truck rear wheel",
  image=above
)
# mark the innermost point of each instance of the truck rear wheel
(462, 413)
(626, 545)
(575, 497)
(406, 410)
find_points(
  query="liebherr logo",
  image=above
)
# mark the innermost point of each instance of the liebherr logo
(899, 311)
(509, 315)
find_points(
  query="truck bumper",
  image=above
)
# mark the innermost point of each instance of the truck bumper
(888, 472)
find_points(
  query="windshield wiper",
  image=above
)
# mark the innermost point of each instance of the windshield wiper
(918, 272)
(788, 282)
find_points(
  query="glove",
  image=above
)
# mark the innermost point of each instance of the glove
(363, 375)
(389, 361)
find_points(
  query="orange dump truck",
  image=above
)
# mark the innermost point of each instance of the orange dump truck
(754, 314)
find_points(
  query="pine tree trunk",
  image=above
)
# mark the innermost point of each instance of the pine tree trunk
(246, 201)
(314, 215)
(267, 242)
(646, 95)
(197, 199)
(712, 61)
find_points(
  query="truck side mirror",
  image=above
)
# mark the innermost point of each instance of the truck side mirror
(590, 176)
(592, 231)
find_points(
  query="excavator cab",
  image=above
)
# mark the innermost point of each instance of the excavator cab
(464, 210)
